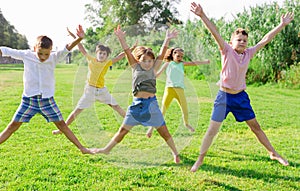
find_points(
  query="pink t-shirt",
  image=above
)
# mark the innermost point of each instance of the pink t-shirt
(234, 67)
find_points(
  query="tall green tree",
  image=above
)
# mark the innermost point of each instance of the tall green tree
(105, 15)
(10, 37)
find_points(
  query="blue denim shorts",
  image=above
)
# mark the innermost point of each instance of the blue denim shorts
(144, 112)
(237, 104)
(33, 105)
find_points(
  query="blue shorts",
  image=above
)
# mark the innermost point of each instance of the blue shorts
(144, 112)
(33, 105)
(238, 104)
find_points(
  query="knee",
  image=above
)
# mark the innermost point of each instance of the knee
(164, 133)
(122, 131)
(255, 128)
(13, 126)
(113, 106)
(61, 125)
(212, 132)
(120, 134)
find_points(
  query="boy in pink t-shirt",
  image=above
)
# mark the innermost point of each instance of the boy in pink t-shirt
(231, 96)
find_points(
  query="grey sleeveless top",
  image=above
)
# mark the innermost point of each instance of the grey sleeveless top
(143, 80)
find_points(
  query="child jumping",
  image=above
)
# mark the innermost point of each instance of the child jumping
(232, 96)
(39, 86)
(95, 89)
(174, 87)
(144, 109)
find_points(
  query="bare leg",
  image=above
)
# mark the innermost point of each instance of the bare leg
(190, 127)
(118, 137)
(149, 132)
(165, 134)
(9, 130)
(70, 119)
(118, 109)
(261, 136)
(62, 126)
(212, 131)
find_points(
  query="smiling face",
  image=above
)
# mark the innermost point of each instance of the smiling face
(101, 55)
(239, 40)
(43, 47)
(146, 62)
(239, 43)
(42, 53)
(178, 55)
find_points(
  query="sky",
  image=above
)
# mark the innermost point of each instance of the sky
(43, 17)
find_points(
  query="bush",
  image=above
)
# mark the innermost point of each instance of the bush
(290, 78)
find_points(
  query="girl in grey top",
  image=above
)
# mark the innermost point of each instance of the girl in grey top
(144, 109)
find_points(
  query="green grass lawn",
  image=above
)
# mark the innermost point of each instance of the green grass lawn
(33, 159)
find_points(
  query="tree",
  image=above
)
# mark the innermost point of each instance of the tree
(10, 37)
(105, 15)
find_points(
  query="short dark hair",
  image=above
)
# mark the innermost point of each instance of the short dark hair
(43, 42)
(239, 31)
(101, 47)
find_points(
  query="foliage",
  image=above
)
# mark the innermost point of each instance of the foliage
(105, 15)
(9, 35)
(267, 66)
(290, 78)
(277, 55)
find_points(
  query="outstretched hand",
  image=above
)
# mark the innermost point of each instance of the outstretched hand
(196, 9)
(70, 33)
(119, 33)
(80, 31)
(172, 34)
(287, 18)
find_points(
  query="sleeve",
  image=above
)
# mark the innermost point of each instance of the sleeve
(226, 48)
(109, 63)
(252, 51)
(17, 54)
(60, 54)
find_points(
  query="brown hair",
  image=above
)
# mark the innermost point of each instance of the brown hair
(101, 47)
(169, 54)
(238, 31)
(142, 50)
(43, 42)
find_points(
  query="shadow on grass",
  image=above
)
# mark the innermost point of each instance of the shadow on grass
(252, 157)
(14, 67)
(219, 184)
(243, 173)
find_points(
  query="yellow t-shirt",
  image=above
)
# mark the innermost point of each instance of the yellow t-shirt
(97, 71)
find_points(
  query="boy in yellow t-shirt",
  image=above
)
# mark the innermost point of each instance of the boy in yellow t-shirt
(95, 89)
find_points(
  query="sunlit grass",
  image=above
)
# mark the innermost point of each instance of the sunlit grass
(33, 159)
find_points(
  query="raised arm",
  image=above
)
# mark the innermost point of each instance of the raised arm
(285, 20)
(121, 36)
(80, 34)
(80, 46)
(197, 10)
(122, 54)
(195, 63)
(163, 68)
(169, 35)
